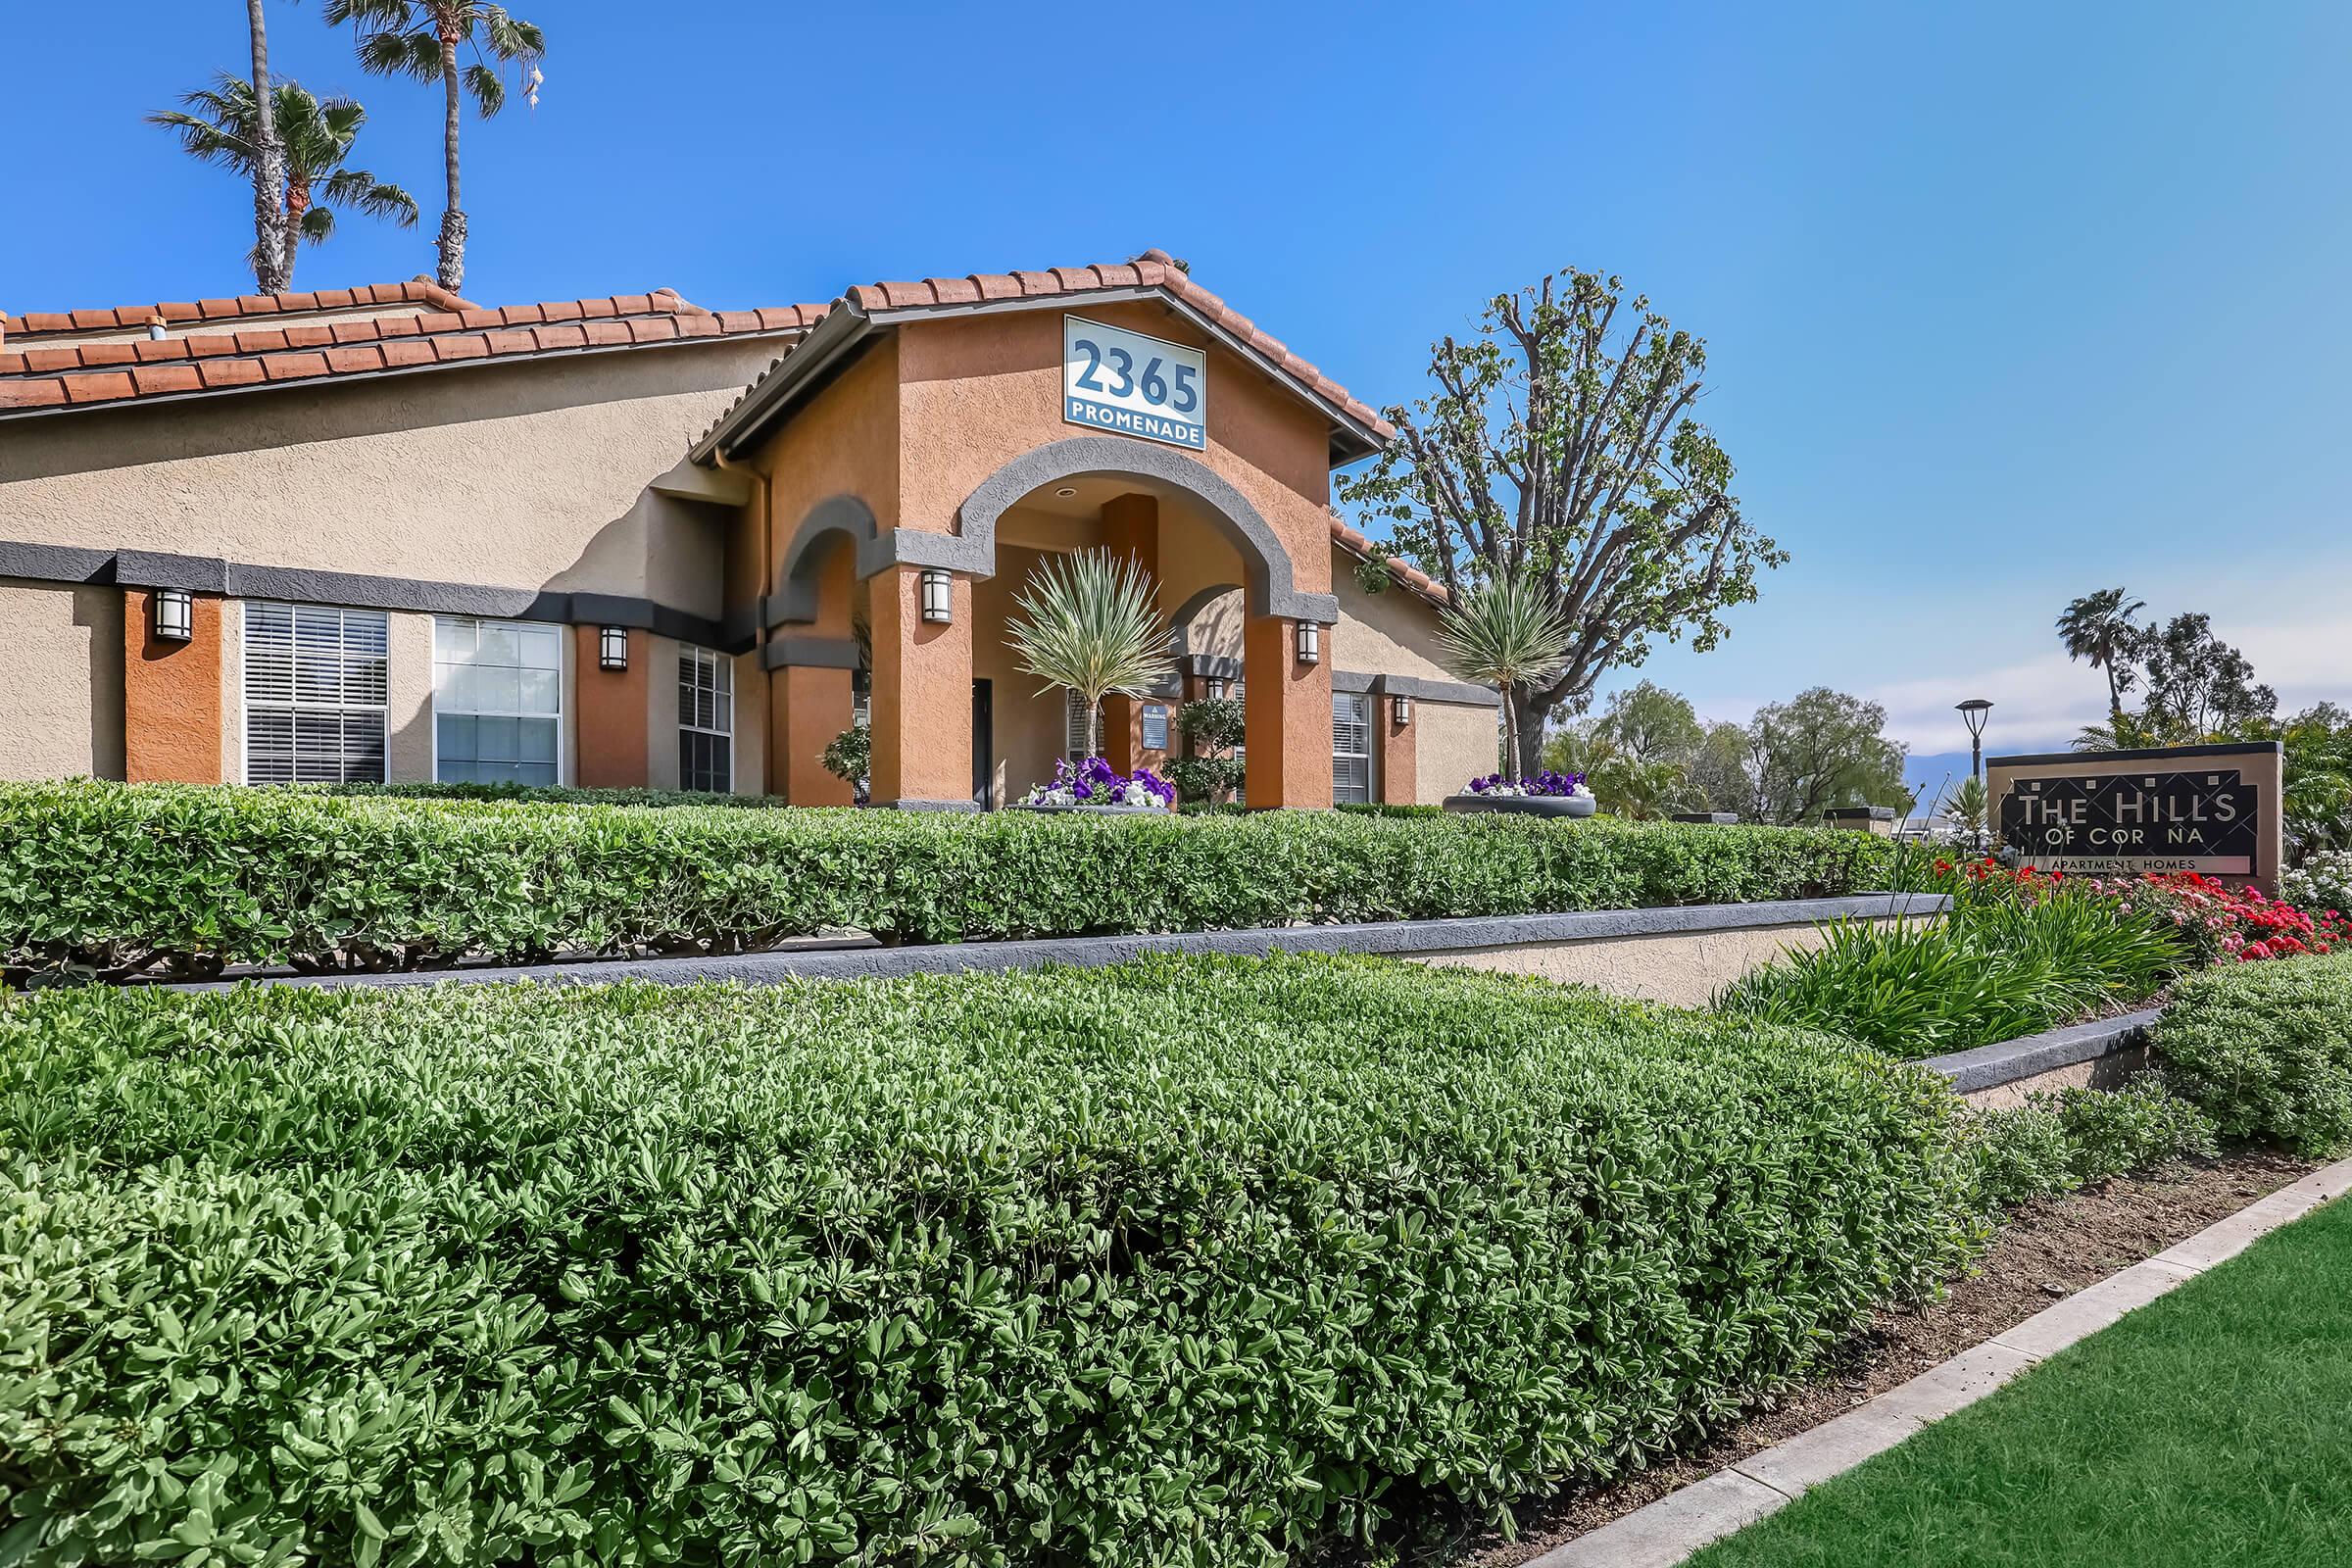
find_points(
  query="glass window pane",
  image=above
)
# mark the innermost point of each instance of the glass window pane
(537, 740)
(499, 743)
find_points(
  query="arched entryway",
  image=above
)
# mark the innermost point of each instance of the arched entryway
(949, 699)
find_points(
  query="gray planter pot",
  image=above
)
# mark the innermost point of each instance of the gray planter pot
(1092, 811)
(1526, 804)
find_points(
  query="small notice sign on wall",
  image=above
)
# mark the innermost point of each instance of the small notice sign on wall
(2212, 809)
(1129, 384)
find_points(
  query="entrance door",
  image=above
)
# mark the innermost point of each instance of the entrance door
(984, 763)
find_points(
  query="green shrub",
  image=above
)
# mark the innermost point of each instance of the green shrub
(108, 879)
(1995, 969)
(2267, 1048)
(2054, 1143)
(1378, 809)
(1190, 1262)
(530, 794)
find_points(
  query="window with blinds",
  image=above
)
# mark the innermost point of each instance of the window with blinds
(315, 693)
(1351, 747)
(1077, 727)
(706, 720)
(498, 700)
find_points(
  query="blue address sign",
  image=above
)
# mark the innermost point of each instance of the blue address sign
(1125, 382)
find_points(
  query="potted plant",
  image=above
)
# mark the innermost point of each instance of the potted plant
(1548, 794)
(1095, 786)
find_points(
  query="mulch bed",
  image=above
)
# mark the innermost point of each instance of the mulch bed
(2048, 1250)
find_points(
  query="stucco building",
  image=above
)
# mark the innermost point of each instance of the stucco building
(384, 533)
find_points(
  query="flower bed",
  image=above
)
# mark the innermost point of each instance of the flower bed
(1194, 1261)
(1095, 784)
(110, 880)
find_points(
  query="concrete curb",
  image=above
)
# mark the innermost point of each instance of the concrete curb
(1671, 1529)
(2031, 1055)
(1393, 938)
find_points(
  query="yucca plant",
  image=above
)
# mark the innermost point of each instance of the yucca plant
(1089, 623)
(1506, 632)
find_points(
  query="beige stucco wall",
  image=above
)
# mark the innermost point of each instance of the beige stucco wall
(409, 697)
(1455, 745)
(661, 721)
(1683, 969)
(1387, 633)
(62, 714)
(524, 476)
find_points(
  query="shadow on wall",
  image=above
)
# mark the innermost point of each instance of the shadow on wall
(99, 611)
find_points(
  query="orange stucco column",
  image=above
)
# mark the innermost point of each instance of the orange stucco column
(1399, 775)
(612, 716)
(171, 703)
(1130, 528)
(810, 707)
(1287, 711)
(922, 701)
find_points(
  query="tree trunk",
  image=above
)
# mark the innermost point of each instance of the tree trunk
(1527, 725)
(272, 253)
(453, 216)
(298, 202)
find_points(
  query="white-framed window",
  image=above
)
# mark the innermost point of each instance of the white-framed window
(1350, 746)
(861, 699)
(706, 720)
(315, 693)
(1077, 727)
(498, 700)
(1155, 726)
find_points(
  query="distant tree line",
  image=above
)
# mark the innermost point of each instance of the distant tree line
(2176, 683)
(1647, 754)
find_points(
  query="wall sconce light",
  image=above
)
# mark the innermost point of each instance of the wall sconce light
(1310, 643)
(174, 615)
(1404, 706)
(1218, 687)
(938, 597)
(612, 647)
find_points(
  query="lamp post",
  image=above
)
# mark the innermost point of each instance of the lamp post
(1972, 713)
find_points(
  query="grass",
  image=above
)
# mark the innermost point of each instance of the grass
(2209, 1428)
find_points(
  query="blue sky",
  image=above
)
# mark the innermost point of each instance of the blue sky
(2003, 302)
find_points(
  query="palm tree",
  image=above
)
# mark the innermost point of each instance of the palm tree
(273, 258)
(1090, 624)
(2098, 628)
(421, 38)
(314, 138)
(1506, 633)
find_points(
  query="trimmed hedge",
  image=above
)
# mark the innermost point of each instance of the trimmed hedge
(2266, 1049)
(111, 880)
(1206, 1261)
(533, 794)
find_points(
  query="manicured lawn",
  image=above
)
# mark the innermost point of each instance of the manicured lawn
(2213, 1426)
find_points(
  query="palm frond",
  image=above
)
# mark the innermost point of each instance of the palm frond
(319, 225)
(509, 39)
(1090, 622)
(373, 15)
(355, 187)
(489, 93)
(415, 54)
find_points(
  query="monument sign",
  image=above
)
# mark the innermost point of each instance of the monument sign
(2213, 809)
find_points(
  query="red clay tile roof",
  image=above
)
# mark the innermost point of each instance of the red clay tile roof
(1412, 577)
(134, 317)
(73, 375)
